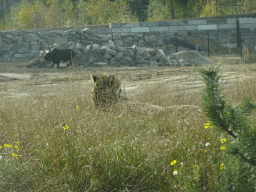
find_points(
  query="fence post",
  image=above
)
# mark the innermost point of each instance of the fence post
(164, 37)
(143, 34)
(208, 43)
(176, 40)
(239, 37)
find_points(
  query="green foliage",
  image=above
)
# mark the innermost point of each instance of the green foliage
(157, 11)
(227, 7)
(209, 9)
(105, 11)
(162, 9)
(60, 13)
(231, 120)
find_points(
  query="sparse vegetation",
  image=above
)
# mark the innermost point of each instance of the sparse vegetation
(248, 55)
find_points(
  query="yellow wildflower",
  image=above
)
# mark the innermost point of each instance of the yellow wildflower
(18, 142)
(65, 127)
(45, 106)
(0, 146)
(77, 107)
(224, 140)
(15, 155)
(222, 166)
(7, 146)
(208, 125)
(222, 147)
(173, 162)
(205, 151)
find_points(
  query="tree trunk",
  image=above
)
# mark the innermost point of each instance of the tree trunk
(172, 9)
(185, 8)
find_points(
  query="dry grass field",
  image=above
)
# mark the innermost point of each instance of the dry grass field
(53, 139)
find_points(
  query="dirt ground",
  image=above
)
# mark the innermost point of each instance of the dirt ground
(16, 81)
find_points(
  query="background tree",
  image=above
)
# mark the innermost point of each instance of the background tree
(105, 11)
(228, 7)
(174, 9)
(138, 8)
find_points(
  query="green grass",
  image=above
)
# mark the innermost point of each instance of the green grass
(111, 152)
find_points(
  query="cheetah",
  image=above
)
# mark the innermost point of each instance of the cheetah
(106, 94)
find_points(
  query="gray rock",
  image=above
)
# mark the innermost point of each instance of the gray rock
(116, 36)
(119, 43)
(146, 55)
(136, 37)
(88, 31)
(126, 61)
(7, 57)
(139, 59)
(50, 41)
(35, 46)
(64, 45)
(131, 51)
(96, 40)
(128, 39)
(110, 43)
(89, 48)
(70, 32)
(108, 56)
(173, 62)
(9, 36)
(58, 39)
(23, 50)
(96, 48)
(4, 51)
(121, 49)
(50, 33)
(150, 38)
(104, 49)
(119, 56)
(171, 57)
(44, 46)
(111, 52)
(112, 61)
(35, 52)
(92, 60)
(80, 46)
(29, 37)
(160, 52)
(23, 56)
(152, 51)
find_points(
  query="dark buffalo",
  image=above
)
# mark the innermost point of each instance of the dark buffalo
(58, 55)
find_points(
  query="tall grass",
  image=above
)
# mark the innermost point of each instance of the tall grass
(64, 144)
(248, 55)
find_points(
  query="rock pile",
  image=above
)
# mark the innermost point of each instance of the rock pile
(117, 53)
(187, 58)
(121, 56)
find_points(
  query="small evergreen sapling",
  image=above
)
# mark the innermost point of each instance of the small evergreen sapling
(232, 120)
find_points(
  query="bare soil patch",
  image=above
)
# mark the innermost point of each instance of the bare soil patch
(16, 81)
